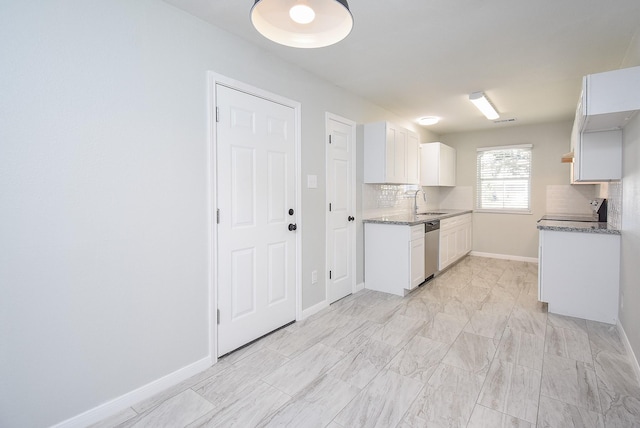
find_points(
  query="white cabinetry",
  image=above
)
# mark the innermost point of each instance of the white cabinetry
(393, 257)
(437, 165)
(417, 257)
(607, 102)
(579, 274)
(413, 158)
(390, 154)
(597, 156)
(455, 239)
(608, 99)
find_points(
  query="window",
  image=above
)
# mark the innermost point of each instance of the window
(504, 179)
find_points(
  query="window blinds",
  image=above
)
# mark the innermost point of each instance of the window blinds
(504, 178)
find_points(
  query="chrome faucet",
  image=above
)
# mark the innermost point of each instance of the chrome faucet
(415, 200)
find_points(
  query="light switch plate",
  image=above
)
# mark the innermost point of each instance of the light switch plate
(312, 181)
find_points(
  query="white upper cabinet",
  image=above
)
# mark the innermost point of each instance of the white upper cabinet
(437, 165)
(597, 156)
(390, 154)
(607, 102)
(413, 158)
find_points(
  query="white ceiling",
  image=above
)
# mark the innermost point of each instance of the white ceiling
(423, 57)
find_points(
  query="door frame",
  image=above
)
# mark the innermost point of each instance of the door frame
(352, 234)
(214, 79)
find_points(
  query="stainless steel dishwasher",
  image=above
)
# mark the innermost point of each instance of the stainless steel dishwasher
(431, 248)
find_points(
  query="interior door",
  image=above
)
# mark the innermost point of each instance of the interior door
(341, 205)
(256, 191)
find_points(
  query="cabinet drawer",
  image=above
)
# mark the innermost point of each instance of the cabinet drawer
(455, 221)
(417, 232)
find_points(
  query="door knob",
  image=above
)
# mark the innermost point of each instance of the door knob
(292, 227)
(351, 218)
(290, 211)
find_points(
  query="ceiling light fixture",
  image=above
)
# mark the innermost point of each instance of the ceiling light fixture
(302, 23)
(480, 100)
(428, 120)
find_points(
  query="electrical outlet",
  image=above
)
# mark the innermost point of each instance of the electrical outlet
(314, 277)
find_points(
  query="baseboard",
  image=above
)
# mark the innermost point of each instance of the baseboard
(632, 355)
(130, 398)
(359, 287)
(306, 313)
(505, 257)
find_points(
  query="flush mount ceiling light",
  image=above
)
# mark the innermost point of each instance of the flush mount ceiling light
(483, 104)
(428, 120)
(302, 23)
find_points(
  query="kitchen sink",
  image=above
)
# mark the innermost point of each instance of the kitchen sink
(431, 213)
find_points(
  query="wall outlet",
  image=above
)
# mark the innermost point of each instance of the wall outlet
(314, 277)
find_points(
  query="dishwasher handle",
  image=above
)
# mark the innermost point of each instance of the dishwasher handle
(430, 226)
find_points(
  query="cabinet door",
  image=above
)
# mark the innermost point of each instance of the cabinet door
(447, 166)
(413, 158)
(447, 247)
(461, 241)
(443, 250)
(396, 155)
(391, 163)
(417, 262)
(437, 165)
(599, 156)
(469, 234)
(400, 159)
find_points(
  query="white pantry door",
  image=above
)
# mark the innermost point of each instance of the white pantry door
(341, 205)
(256, 230)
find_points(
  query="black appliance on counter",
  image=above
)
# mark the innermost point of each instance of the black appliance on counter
(600, 208)
(599, 213)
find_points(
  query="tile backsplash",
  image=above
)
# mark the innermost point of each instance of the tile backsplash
(614, 205)
(389, 199)
(574, 199)
(570, 199)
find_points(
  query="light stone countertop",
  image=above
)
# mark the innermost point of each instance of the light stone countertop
(578, 226)
(412, 220)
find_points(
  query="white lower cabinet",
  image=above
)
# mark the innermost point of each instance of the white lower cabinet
(417, 260)
(579, 274)
(455, 239)
(393, 257)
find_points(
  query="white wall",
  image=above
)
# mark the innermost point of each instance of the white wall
(630, 269)
(103, 200)
(512, 234)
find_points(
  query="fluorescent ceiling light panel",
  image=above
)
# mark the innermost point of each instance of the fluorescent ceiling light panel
(483, 104)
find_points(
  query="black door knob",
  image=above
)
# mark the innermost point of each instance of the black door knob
(351, 218)
(292, 227)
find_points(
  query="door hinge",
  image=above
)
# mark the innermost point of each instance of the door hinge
(217, 114)
(218, 216)
(329, 138)
(218, 316)
(329, 206)
(329, 274)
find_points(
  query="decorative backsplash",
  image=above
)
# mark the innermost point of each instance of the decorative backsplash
(574, 199)
(614, 205)
(389, 199)
(570, 199)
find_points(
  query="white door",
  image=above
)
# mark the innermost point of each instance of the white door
(341, 206)
(256, 190)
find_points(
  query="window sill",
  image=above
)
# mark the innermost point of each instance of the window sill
(503, 212)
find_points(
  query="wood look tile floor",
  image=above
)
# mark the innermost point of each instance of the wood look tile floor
(472, 348)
